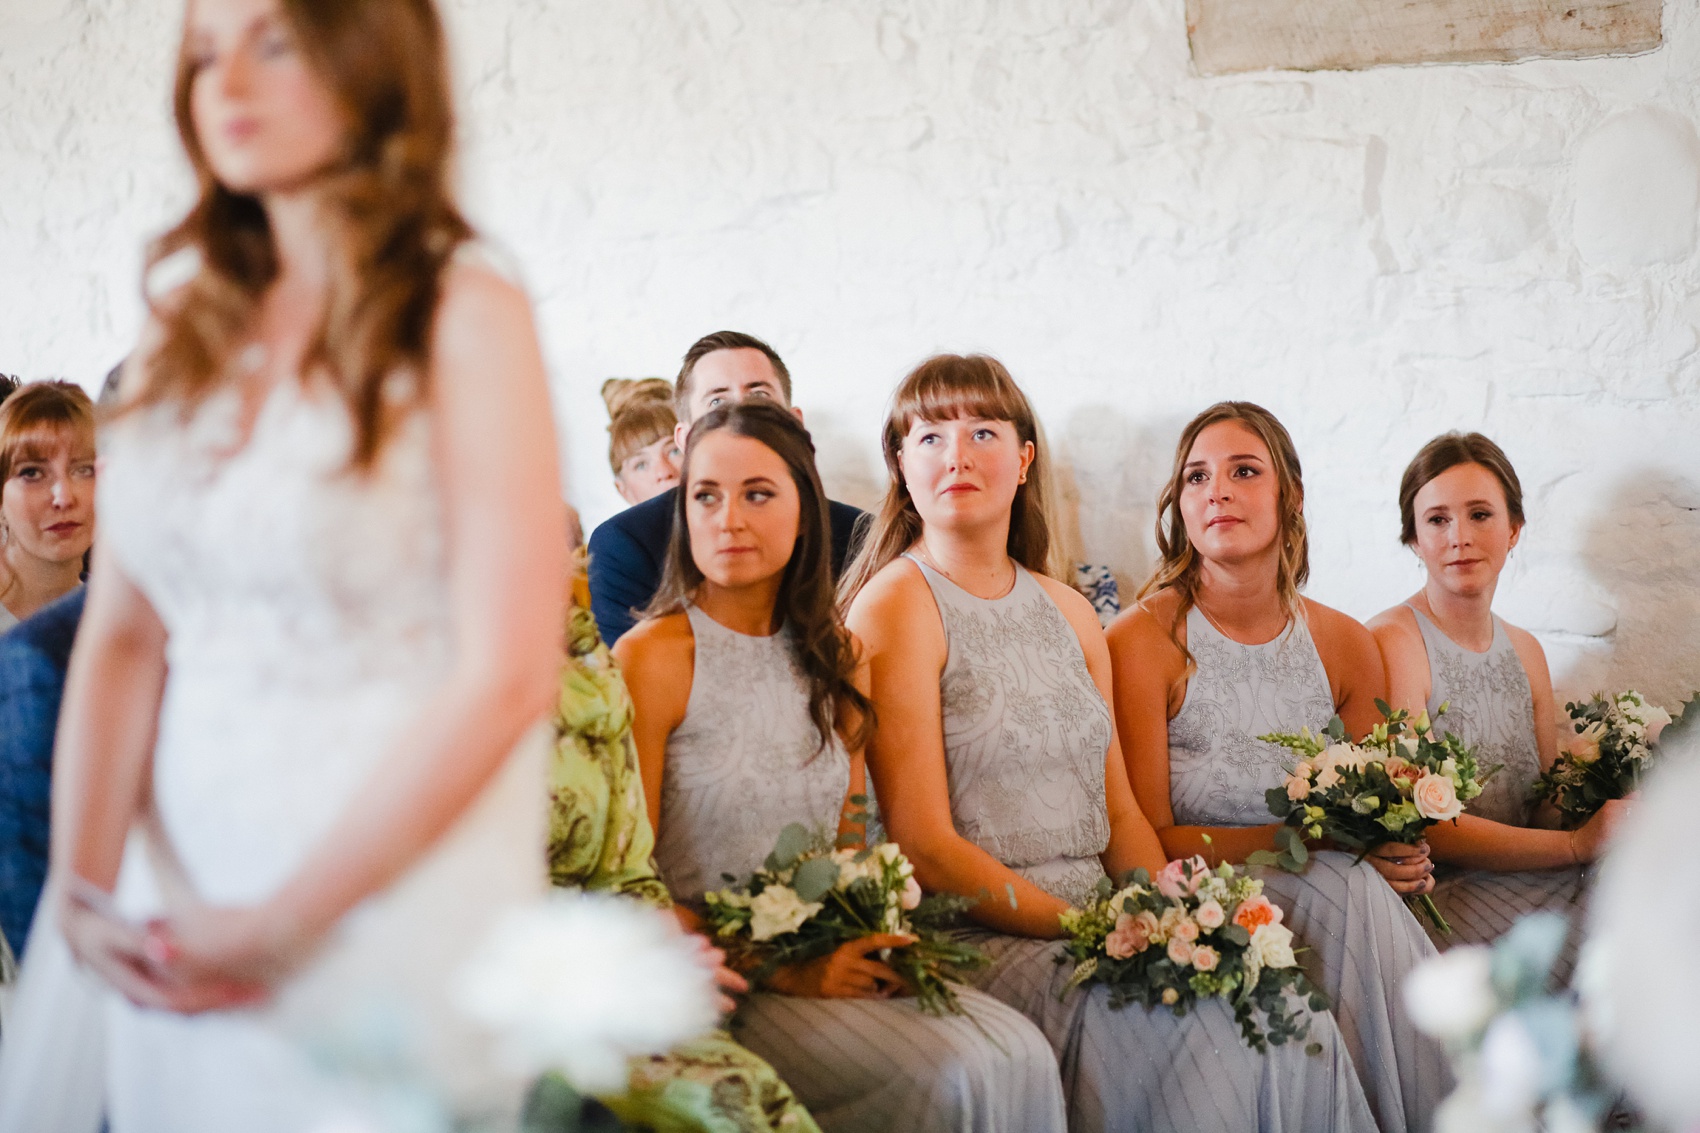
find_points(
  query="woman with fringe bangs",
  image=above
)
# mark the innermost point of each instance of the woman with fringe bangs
(752, 715)
(324, 623)
(999, 771)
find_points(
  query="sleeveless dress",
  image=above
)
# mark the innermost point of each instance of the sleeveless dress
(309, 626)
(741, 767)
(1491, 707)
(1362, 939)
(1026, 734)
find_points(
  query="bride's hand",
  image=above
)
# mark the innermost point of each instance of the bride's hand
(119, 952)
(251, 945)
(728, 982)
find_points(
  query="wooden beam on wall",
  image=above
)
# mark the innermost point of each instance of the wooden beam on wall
(1230, 36)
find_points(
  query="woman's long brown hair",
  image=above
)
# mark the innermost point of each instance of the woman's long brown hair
(804, 608)
(947, 387)
(1178, 559)
(387, 198)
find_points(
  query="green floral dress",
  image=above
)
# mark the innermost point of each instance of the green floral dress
(600, 838)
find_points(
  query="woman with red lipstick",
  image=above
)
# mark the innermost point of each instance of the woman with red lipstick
(999, 772)
(1461, 512)
(752, 715)
(323, 629)
(1222, 649)
(47, 478)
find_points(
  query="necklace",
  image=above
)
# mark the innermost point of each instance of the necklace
(1003, 587)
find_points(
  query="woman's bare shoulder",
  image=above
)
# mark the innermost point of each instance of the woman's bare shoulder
(656, 643)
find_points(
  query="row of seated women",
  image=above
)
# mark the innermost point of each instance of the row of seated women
(1018, 753)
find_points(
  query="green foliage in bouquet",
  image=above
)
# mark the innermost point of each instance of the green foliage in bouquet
(1192, 934)
(1611, 745)
(1391, 786)
(809, 898)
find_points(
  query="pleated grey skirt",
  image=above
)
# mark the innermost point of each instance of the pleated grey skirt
(1362, 942)
(873, 1065)
(1133, 1070)
(1481, 905)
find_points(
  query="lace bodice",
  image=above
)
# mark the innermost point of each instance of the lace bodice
(306, 608)
(1218, 768)
(1026, 733)
(745, 762)
(1491, 707)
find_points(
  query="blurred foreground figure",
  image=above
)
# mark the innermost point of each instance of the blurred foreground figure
(317, 648)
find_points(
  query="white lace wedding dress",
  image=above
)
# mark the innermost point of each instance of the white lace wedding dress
(309, 624)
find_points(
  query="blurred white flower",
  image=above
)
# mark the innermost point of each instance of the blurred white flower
(1511, 1071)
(777, 909)
(579, 983)
(1451, 996)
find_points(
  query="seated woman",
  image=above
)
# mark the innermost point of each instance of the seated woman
(1222, 649)
(999, 772)
(641, 449)
(1461, 511)
(750, 717)
(46, 495)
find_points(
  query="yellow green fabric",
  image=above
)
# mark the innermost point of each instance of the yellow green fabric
(600, 839)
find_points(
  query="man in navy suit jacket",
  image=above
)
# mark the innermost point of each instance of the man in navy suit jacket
(629, 551)
(33, 658)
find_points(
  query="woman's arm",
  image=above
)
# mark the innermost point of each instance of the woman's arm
(494, 454)
(1148, 684)
(898, 623)
(1404, 657)
(658, 658)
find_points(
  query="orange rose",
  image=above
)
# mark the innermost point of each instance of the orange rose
(1255, 912)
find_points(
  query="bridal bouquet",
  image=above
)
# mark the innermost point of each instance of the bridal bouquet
(809, 898)
(1191, 934)
(1611, 745)
(1390, 787)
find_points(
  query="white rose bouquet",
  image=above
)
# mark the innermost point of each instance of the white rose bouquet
(1610, 745)
(1390, 787)
(809, 898)
(1191, 934)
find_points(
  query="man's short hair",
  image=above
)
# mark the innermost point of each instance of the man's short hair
(724, 340)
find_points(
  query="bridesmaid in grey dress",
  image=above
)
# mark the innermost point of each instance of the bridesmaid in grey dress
(999, 773)
(1222, 649)
(1461, 512)
(749, 717)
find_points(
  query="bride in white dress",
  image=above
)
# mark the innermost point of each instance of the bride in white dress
(324, 617)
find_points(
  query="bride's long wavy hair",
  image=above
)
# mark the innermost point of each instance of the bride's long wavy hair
(804, 608)
(387, 199)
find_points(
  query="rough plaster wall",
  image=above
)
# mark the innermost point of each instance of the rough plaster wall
(1377, 256)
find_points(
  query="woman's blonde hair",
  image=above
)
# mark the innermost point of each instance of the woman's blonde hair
(640, 412)
(394, 223)
(947, 387)
(1178, 559)
(33, 421)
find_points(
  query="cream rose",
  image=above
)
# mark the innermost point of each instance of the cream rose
(1297, 788)
(1584, 746)
(1180, 953)
(1210, 915)
(1185, 929)
(1274, 945)
(1436, 798)
(777, 910)
(911, 894)
(1205, 958)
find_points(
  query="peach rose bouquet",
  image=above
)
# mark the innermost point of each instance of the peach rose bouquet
(1607, 747)
(1188, 934)
(1390, 786)
(811, 896)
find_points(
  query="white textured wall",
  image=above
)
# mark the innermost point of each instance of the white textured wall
(1377, 256)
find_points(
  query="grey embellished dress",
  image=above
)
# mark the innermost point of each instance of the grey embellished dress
(1026, 735)
(1491, 707)
(1362, 939)
(745, 763)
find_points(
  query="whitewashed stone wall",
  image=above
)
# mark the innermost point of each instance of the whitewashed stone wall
(1377, 256)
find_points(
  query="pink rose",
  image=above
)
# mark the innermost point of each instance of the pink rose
(1210, 915)
(1298, 789)
(1205, 958)
(1130, 937)
(1255, 912)
(1180, 953)
(1185, 929)
(1436, 798)
(1172, 881)
(911, 893)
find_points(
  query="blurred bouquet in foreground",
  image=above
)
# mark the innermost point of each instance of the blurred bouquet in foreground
(808, 899)
(580, 983)
(1520, 1052)
(1191, 934)
(1390, 787)
(1610, 747)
